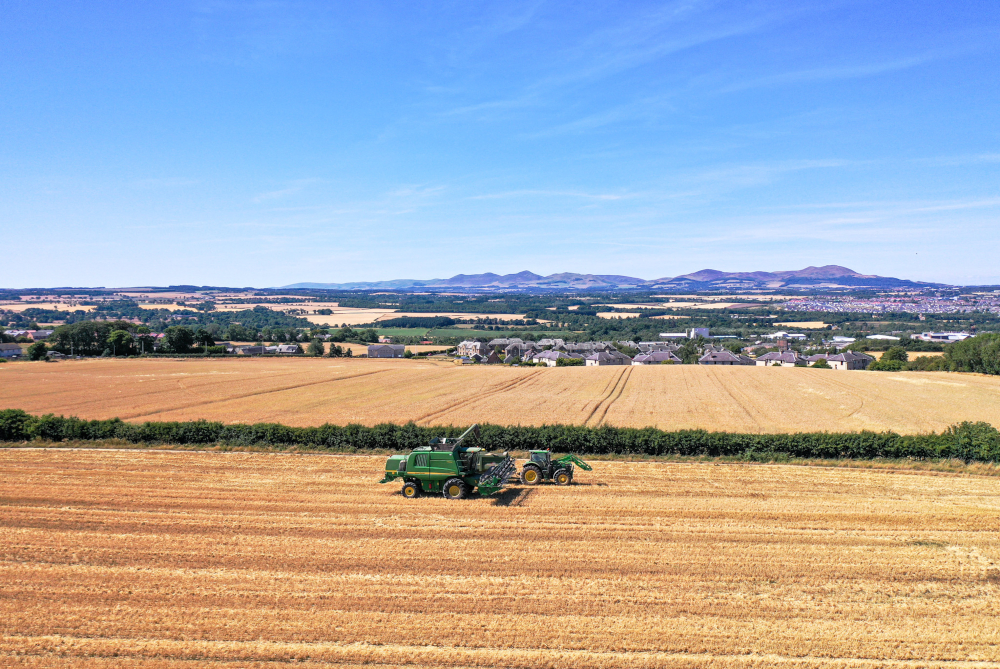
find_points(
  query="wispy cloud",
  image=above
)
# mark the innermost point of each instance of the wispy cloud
(830, 73)
(645, 37)
(293, 188)
(549, 193)
(417, 191)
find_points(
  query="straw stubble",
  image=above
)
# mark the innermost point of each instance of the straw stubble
(157, 559)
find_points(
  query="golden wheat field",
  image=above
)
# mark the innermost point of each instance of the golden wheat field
(169, 559)
(312, 391)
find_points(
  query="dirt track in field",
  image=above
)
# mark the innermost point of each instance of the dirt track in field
(314, 391)
(157, 559)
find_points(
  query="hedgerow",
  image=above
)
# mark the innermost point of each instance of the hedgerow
(971, 442)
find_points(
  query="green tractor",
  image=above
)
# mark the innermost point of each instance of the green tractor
(541, 467)
(448, 467)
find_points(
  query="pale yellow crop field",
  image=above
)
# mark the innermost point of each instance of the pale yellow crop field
(618, 314)
(160, 559)
(311, 391)
(22, 305)
(453, 314)
(913, 355)
(805, 325)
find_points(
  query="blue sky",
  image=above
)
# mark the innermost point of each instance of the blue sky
(267, 143)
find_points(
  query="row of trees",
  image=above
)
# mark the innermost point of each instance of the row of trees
(979, 354)
(967, 441)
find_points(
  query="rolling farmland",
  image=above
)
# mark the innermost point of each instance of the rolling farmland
(164, 559)
(312, 391)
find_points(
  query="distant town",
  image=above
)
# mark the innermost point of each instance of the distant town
(845, 327)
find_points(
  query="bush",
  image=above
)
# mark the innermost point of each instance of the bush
(38, 351)
(884, 365)
(895, 353)
(569, 362)
(926, 363)
(315, 348)
(821, 364)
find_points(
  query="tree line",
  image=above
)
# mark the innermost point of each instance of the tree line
(970, 442)
(979, 354)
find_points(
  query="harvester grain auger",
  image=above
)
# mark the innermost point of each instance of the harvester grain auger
(448, 467)
(541, 467)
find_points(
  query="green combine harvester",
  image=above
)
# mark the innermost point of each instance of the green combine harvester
(541, 467)
(448, 467)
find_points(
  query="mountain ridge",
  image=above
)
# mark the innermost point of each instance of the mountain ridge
(705, 279)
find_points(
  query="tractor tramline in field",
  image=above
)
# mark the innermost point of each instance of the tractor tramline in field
(446, 466)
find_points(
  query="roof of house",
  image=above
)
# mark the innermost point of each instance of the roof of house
(555, 355)
(784, 356)
(9, 347)
(656, 356)
(602, 356)
(720, 356)
(849, 356)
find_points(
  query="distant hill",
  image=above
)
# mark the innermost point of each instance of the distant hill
(706, 279)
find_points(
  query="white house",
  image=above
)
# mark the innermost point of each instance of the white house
(607, 358)
(469, 348)
(850, 360)
(724, 357)
(551, 358)
(784, 359)
(656, 358)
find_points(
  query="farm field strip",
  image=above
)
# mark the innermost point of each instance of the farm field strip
(313, 391)
(233, 559)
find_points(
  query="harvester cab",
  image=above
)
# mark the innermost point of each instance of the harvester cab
(449, 467)
(542, 467)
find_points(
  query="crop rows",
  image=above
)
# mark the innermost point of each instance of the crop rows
(305, 392)
(157, 559)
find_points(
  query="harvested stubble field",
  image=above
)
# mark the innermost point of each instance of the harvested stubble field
(312, 391)
(165, 559)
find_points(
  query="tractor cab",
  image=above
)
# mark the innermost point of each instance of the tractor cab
(541, 458)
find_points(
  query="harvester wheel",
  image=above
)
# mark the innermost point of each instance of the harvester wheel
(531, 475)
(411, 490)
(562, 477)
(455, 489)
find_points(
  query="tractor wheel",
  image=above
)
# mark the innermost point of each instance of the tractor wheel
(454, 489)
(531, 475)
(411, 490)
(562, 477)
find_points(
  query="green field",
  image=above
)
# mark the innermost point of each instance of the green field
(402, 332)
(492, 334)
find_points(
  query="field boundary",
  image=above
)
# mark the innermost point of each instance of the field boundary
(936, 467)
(969, 442)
